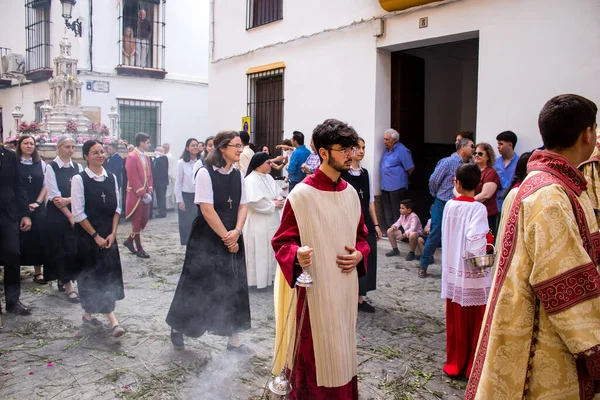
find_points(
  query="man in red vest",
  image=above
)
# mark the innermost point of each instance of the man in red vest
(139, 192)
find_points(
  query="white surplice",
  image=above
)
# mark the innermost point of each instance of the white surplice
(464, 227)
(261, 224)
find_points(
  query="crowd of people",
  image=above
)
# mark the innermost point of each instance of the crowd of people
(248, 218)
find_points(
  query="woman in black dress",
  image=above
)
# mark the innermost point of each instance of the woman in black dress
(32, 169)
(361, 181)
(96, 210)
(212, 293)
(60, 235)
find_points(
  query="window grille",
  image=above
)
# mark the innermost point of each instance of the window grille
(139, 116)
(142, 42)
(38, 112)
(265, 107)
(262, 12)
(38, 35)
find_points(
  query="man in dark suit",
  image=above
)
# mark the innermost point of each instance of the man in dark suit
(160, 175)
(14, 215)
(114, 163)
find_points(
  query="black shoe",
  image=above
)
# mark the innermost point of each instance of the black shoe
(177, 339)
(93, 323)
(410, 256)
(60, 287)
(366, 307)
(161, 216)
(129, 246)
(393, 252)
(18, 309)
(142, 254)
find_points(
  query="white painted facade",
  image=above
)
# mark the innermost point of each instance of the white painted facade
(529, 51)
(183, 92)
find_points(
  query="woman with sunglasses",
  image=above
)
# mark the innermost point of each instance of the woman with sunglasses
(489, 184)
(212, 293)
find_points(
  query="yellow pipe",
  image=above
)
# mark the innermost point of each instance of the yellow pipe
(399, 5)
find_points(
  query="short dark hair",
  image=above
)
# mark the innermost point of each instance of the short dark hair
(408, 203)
(298, 137)
(563, 118)
(508, 136)
(245, 137)
(333, 131)
(35, 157)
(287, 142)
(463, 142)
(469, 176)
(113, 145)
(465, 135)
(87, 146)
(220, 141)
(141, 137)
(186, 156)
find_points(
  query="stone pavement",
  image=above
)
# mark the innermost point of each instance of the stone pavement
(50, 355)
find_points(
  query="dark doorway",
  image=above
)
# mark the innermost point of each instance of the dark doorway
(434, 95)
(1, 127)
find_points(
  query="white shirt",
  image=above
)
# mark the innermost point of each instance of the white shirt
(142, 156)
(29, 161)
(185, 179)
(50, 177)
(197, 166)
(357, 172)
(245, 158)
(77, 194)
(204, 190)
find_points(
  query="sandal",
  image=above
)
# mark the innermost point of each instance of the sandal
(241, 349)
(39, 281)
(422, 273)
(73, 299)
(117, 331)
(92, 323)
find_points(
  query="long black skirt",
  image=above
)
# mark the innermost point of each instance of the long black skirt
(100, 281)
(186, 218)
(60, 250)
(369, 281)
(212, 293)
(32, 242)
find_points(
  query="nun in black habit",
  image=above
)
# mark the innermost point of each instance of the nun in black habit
(361, 181)
(212, 293)
(31, 170)
(96, 210)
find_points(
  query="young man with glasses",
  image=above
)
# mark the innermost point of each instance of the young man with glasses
(440, 187)
(333, 247)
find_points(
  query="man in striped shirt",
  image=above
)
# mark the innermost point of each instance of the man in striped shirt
(441, 184)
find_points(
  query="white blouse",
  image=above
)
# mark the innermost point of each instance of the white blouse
(50, 177)
(78, 198)
(185, 179)
(204, 189)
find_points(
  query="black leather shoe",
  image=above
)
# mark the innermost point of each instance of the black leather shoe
(366, 307)
(142, 254)
(18, 309)
(177, 339)
(129, 246)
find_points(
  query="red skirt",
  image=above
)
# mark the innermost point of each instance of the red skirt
(462, 333)
(304, 376)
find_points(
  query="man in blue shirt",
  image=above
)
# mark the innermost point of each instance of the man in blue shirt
(441, 184)
(506, 163)
(396, 166)
(298, 157)
(114, 163)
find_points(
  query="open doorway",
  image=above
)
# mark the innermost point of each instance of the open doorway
(434, 95)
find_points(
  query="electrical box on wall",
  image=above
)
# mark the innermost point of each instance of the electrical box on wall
(378, 27)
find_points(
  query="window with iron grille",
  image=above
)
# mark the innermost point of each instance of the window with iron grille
(139, 116)
(265, 107)
(142, 34)
(261, 12)
(38, 112)
(38, 35)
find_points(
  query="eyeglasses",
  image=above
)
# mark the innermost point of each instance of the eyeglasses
(479, 153)
(237, 146)
(347, 152)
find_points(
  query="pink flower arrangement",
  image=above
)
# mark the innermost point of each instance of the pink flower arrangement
(80, 140)
(71, 126)
(29, 128)
(54, 139)
(99, 129)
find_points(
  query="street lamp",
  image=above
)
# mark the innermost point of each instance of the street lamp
(17, 115)
(67, 9)
(114, 116)
(46, 109)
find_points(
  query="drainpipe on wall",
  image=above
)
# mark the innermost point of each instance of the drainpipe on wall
(211, 42)
(91, 37)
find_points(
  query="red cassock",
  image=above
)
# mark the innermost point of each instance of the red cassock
(286, 243)
(139, 182)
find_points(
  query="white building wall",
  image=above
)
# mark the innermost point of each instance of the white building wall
(183, 93)
(529, 51)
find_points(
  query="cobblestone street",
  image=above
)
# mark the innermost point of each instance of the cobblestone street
(50, 355)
